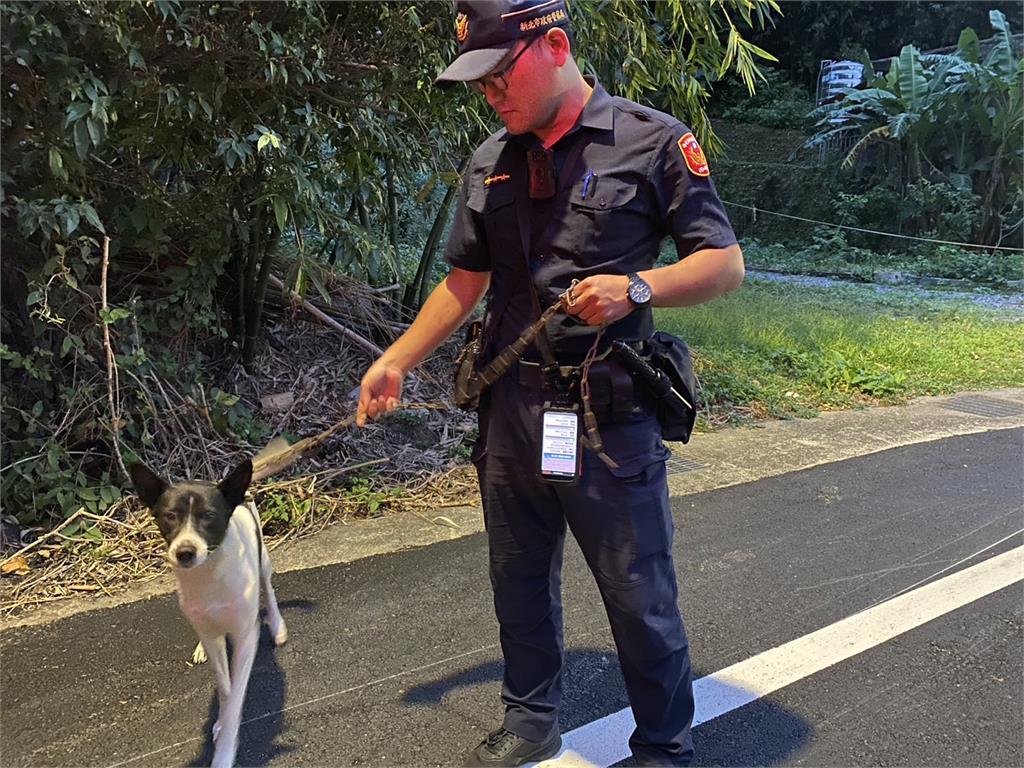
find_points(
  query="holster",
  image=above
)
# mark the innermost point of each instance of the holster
(467, 385)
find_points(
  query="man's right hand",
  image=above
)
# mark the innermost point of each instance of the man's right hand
(449, 304)
(380, 391)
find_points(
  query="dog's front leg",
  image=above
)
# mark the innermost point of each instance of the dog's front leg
(217, 652)
(231, 713)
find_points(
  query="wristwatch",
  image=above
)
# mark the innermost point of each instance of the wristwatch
(639, 292)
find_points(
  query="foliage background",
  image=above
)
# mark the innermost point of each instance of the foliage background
(244, 155)
(223, 147)
(811, 31)
(930, 148)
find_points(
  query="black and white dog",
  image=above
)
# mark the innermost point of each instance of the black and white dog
(215, 544)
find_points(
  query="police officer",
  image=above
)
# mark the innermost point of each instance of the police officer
(584, 186)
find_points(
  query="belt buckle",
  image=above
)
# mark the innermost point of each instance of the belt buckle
(551, 374)
(564, 380)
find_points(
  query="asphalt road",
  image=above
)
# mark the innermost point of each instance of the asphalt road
(393, 659)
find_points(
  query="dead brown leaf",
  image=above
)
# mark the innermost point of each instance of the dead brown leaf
(16, 566)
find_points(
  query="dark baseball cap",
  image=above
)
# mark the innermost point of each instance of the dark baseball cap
(487, 30)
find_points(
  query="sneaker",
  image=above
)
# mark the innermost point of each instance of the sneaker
(504, 748)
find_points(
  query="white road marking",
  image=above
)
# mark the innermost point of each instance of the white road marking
(604, 742)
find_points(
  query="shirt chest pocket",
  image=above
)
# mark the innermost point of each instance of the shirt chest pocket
(601, 219)
(493, 207)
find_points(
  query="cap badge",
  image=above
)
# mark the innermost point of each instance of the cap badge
(694, 155)
(462, 27)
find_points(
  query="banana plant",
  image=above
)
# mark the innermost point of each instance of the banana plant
(955, 118)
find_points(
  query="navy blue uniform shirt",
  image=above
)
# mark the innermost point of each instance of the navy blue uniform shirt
(641, 189)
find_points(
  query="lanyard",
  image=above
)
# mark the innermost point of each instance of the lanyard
(523, 218)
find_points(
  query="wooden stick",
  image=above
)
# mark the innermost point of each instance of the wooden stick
(278, 455)
(277, 460)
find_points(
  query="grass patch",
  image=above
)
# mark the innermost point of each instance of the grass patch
(771, 350)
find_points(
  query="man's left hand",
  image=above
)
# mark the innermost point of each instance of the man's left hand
(601, 299)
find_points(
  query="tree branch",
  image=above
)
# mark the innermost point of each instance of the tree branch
(326, 319)
(356, 105)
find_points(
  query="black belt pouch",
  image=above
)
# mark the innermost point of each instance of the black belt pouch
(671, 356)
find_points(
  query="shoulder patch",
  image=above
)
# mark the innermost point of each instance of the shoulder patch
(693, 155)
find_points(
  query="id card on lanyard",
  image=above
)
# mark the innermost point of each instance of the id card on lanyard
(560, 444)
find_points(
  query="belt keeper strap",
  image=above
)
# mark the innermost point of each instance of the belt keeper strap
(622, 393)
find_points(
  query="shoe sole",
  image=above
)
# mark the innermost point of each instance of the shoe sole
(548, 750)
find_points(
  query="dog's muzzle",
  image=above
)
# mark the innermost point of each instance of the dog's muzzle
(185, 556)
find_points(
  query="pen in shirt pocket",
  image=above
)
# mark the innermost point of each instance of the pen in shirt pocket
(589, 182)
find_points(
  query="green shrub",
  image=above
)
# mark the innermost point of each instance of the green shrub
(778, 102)
(953, 262)
(828, 253)
(927, 209)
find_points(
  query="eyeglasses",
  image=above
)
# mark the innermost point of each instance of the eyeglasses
(497, 80)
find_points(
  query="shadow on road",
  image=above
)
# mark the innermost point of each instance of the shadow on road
(761, 733)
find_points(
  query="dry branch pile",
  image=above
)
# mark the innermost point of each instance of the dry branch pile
(306, 377)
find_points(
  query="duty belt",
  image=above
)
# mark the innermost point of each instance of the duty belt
(611, 386)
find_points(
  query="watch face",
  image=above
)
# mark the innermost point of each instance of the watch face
(639, 292)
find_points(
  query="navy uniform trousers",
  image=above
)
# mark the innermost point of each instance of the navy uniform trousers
(623, 524)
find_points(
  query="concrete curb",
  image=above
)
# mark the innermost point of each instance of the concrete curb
(774, 448)
(716, 460)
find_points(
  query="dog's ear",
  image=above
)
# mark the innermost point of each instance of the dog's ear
(147, 484)
(233, 486)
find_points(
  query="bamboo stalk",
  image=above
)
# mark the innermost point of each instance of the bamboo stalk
(111, 364)
(259, 296)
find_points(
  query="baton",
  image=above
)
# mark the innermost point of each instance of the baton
(657, 381)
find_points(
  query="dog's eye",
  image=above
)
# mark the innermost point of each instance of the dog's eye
(208, 514)
(170, 516)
